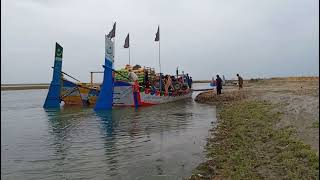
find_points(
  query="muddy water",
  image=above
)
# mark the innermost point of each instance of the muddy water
(158, 142)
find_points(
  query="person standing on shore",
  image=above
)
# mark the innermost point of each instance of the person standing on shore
(240, 81)
(187, 80)
(190, 82)
(219, 84)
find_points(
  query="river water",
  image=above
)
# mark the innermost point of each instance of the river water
(159, 142)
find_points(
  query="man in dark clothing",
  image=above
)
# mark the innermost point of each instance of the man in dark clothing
(219, 84)
(190, 82)
(177, 73)
(240, 81)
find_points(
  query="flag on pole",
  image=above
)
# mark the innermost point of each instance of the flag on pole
(59, 51)
(112, 33)
(157, 35)
(126, 42)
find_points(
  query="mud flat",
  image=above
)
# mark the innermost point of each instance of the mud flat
(268, 130)
(8, 87)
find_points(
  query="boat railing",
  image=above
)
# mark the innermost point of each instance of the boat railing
(124, 93)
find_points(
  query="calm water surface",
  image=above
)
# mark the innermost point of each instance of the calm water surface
(158, 142)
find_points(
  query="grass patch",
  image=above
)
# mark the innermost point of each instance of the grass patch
(246, 145)
(315, 124)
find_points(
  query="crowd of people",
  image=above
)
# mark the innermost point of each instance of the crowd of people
(163, 84)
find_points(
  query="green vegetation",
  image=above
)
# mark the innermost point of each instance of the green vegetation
(315, 124)
(256, 81)
(247, 145)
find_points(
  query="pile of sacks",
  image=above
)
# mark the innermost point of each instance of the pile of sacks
(138, 70)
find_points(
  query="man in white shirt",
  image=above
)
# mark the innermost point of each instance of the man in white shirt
(132, 76)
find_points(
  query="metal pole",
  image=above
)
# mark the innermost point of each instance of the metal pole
(91, 79)
(160, 65)
(65, 74)
(159, 56)
(129, 55)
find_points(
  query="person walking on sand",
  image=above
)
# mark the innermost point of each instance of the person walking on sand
(219, 84)
(240, 81)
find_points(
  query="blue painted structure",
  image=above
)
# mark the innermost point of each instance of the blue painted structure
(53, 97)
(135, 98)
(105, 99)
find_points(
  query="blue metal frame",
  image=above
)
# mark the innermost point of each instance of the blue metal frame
(53, 97)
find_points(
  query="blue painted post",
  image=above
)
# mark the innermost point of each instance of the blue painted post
(53, 96)
(105, 99)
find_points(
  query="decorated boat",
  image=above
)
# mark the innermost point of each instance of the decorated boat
(115, 90)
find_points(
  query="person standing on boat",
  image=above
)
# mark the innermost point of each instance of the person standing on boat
(168, 83)
(240, 81)
(132, 76)
(146, 79)
(177, 72)
(219, 84)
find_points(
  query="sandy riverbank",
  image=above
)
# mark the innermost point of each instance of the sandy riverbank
(276, 104)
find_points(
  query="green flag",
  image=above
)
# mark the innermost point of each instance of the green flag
(59, 51)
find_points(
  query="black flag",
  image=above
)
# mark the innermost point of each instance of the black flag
(126, 42)
(112, 33)
(157, 35)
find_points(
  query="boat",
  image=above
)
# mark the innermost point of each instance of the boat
(113, 91)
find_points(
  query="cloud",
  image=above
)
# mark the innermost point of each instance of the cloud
(254, 38)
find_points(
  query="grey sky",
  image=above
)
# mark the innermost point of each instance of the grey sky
(256, 38)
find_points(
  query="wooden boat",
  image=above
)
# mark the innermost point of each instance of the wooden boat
(112, 91)
(85, 94)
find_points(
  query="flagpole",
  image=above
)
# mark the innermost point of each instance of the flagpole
(160, 63)
(114, 46)
(129, 55)
(159, 56)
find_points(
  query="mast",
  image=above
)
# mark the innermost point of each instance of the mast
(105, 99)
(159, 52)
(53, 96)
(158, 39)
(129, 55)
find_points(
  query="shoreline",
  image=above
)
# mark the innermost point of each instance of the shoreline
(268, 130)
(23, 87)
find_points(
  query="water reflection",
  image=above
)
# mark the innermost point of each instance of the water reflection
(106, 121)
(126, 143)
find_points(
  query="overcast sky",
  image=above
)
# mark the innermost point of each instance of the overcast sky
(256, 38)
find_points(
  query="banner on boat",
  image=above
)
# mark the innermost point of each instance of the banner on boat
(109, 51)
(58, 53)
